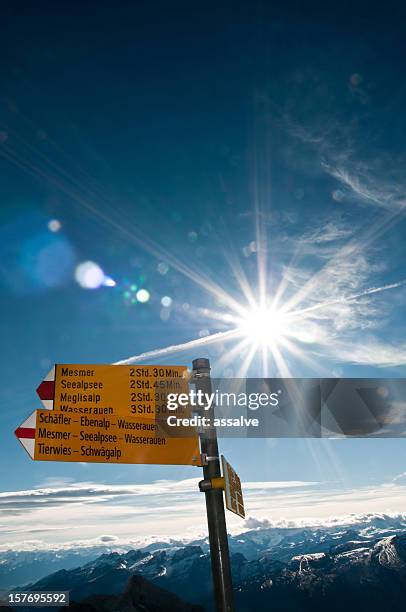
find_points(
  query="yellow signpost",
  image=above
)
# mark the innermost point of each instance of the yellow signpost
(112, 389)
(118, 414)
(110, 414)
(50, 435)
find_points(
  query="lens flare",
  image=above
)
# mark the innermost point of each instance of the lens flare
(89, 275)
(142, 296)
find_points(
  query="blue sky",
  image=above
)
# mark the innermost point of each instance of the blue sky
(189, 152)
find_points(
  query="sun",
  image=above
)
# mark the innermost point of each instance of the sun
(264, 326)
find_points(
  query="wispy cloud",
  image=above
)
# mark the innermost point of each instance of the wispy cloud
(87, 513)
(347, 248)
(329, 232)
(369, 351)
(364, 183)
(18, 502)
(336, 313)
(364, 520)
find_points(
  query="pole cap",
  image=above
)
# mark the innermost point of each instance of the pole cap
(201, 364)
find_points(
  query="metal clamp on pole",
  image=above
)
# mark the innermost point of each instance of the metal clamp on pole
(194, 375)
(212, 483)
(212, 486)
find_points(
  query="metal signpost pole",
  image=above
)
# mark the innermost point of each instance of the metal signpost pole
(216, 520)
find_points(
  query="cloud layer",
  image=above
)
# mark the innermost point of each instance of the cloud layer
(88, 513)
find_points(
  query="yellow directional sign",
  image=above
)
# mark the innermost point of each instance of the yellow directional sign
(50, 435)
(127, 390)
(232, 489)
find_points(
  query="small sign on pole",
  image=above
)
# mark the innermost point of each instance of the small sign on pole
(232, 489)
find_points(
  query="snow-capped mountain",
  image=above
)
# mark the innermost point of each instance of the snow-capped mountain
(290, 568)
(20, 567)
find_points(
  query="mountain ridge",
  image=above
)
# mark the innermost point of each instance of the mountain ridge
(286, 568)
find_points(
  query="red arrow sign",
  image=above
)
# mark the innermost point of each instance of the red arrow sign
(26, 433)
(46, 390)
